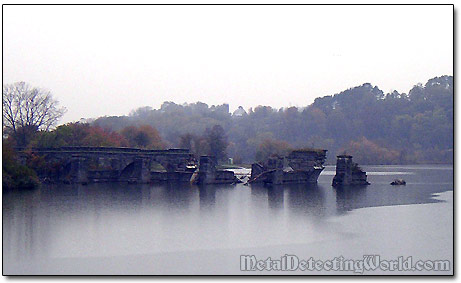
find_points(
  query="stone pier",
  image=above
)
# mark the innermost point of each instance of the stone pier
(208, 174)
(348, 173)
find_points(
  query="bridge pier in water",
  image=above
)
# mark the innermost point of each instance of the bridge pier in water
(141, 170)
(78, 170)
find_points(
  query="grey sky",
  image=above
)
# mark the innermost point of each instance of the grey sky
(109, 60)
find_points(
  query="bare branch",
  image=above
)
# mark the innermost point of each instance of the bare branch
(26, 106)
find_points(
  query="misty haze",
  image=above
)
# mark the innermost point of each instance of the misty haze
(197, 140)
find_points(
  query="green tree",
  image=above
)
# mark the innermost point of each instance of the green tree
(272, 147)
(14, 174)
(217, 142)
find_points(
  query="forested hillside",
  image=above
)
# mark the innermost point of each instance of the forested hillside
(375, 127)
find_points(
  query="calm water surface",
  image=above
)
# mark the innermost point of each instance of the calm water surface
(184, 229)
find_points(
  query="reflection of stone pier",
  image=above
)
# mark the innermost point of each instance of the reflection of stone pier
(207, 196)
(350, 197)
(275, 197)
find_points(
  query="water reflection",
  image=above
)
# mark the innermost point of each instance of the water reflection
(22, 214)
(306, 199)
(118, 219)
(298, 198)
(177, 196)
(275, 197)
(207, 195)
(259, 191)
(348, 198)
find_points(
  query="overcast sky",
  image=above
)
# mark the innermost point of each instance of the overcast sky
(109, 60)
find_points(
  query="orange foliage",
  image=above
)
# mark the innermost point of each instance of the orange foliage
(96, 136)
(365, 151)
(144, 136)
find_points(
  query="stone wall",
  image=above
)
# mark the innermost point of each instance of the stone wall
(302, 159)
(106, 164)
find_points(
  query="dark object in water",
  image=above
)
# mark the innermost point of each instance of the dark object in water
(348, 173)
(300, 166)
(398, 182)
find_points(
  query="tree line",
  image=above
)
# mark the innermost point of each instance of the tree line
(374, 127)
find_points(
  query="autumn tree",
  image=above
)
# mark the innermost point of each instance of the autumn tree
(271, 147)
(187, 141)
(98, 136)
(79, 134)
(27, 109)
(198, 145)
(144, 136)
(369, 152)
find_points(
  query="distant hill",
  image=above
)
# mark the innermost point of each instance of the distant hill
(376, 128)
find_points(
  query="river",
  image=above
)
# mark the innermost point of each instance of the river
(184, 229)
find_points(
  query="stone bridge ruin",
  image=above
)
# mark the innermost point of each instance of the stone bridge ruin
(109, 164)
